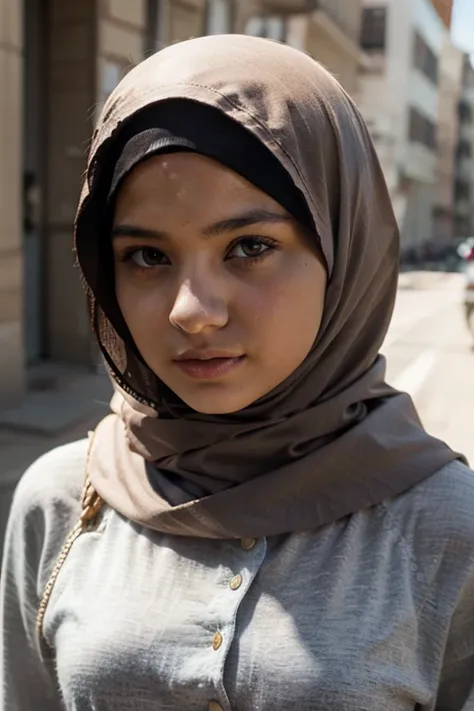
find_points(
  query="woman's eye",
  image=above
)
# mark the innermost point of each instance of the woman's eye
(250, 247)
(147, 257)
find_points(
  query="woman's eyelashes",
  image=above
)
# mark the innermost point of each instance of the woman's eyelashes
(251, 248)
(247, 250)
(144, 257)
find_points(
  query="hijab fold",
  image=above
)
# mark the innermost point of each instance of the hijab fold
(333, 438)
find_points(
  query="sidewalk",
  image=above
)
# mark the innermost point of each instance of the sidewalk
(61, 406)
(422, 280)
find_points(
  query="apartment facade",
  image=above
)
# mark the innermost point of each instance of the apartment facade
(328, 30)
(399, 95)
(58, 63)
(464, 166)
(451, 68)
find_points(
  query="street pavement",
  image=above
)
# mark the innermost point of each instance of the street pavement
(430, 354)
(429, 350)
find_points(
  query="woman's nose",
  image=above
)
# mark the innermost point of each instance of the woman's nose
(198, 309)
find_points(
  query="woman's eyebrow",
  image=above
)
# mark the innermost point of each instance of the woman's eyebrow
(246, 219)
(230, 224)
(134, 231)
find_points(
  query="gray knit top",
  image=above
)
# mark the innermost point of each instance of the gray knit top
(373, 612)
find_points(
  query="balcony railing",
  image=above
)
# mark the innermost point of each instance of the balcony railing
(346, 14)
(286, 7)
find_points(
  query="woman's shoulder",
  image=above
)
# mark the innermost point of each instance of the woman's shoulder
(46, 505)
(445, 498)
(51, 487)
(436, 520)
(441, 504)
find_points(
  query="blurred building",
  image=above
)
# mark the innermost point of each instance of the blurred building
(450, 81)
(464, 183)
(59, 61)
(328, 30)
(399, 95)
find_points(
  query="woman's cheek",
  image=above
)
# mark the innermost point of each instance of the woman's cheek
(141, 307)
(263, 312)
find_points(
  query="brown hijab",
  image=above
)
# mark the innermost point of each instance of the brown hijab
(333, 438)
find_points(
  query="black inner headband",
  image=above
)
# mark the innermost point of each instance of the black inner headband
(180, 124)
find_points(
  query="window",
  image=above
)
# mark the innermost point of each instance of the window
(421, 129)
(464, 149)
(373, 30)
(462, 190)
(218, 17)
(424, 58)
(157, 25)
(269, 26)
(465, 111)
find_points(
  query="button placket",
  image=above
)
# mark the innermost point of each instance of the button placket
(248, 543)
(214, 706)
(247, 557)
(236, 582)
(217, 641)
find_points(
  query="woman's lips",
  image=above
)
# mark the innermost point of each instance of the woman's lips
(209, 368)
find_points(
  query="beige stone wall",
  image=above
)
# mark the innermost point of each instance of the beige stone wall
(124, 35)
(450, 75)
(120, 43)
(243, 11)
(346, 15)
(71, 96)
(417, 227)
(11, 267)
(322, 47)
(186, 20)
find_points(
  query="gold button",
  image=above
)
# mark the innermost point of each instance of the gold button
(214, 706)
(248, 543)
(216, 641)
(236, 582)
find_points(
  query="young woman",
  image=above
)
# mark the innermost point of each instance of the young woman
(264, 524)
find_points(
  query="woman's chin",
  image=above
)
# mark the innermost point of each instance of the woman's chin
(216, 402)
(210, 406)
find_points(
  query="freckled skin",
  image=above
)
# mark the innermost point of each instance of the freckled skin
(197, 291)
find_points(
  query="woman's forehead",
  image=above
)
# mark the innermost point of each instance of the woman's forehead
(186, 174)
(190, 186)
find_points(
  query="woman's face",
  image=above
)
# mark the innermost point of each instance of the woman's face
(222, 293)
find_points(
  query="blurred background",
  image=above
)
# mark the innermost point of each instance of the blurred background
(408, 66)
